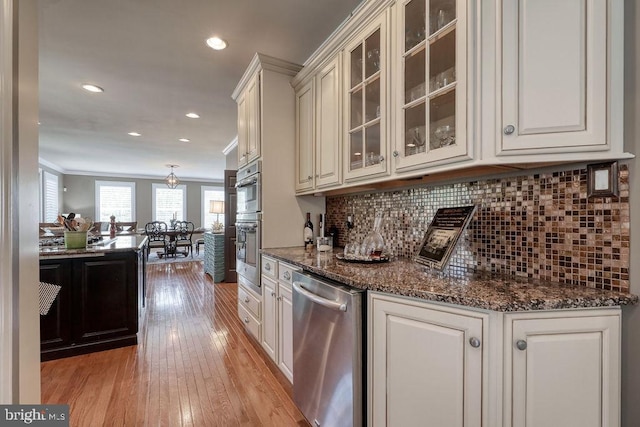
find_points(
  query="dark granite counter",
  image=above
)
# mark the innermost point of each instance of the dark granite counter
(462, 287)
(121, 243)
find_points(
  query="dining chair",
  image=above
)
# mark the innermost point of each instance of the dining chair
(126, 227)
(156, 231)
(184, 236)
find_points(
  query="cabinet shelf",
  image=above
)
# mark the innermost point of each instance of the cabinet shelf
(442, 32)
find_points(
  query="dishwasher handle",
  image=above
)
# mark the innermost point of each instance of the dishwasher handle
(334, 305)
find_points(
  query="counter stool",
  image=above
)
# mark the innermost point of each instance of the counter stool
(198, 243)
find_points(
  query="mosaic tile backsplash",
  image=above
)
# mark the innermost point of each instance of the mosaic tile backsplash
(541, 226)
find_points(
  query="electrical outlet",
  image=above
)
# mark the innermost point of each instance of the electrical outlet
(349, 222)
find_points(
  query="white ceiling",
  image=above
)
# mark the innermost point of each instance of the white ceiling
(151, 58)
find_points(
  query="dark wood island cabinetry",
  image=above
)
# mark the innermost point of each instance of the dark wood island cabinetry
(100, 300)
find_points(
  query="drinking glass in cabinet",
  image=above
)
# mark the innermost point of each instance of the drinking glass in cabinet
(356, 66)
(442, 114)
(356, 108)
(414, 23)
(441, 13)
(372, 98)
(355, 150)
(372, 45)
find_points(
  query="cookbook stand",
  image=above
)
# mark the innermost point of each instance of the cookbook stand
(442, 235)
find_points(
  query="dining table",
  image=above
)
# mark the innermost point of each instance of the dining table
(172, 249)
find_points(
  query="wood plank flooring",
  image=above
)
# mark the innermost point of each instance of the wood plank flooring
(193, 366)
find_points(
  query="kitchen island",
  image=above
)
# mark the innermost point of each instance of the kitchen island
(101, 296)
(468, 348)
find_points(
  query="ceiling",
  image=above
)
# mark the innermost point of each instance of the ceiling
(151, 59)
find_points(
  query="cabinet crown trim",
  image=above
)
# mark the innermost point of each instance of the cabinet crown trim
(361, 15)
(261, 61)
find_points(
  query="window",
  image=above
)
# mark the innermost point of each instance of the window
(49, 192)
(115, 198)
(169, 203)
(207, 195)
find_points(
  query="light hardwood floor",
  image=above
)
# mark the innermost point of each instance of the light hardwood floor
(193, 366)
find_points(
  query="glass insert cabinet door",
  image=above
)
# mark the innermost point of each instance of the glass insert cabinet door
(365, 99)
(432, 102)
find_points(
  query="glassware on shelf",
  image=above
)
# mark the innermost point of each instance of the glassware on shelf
(445, 135)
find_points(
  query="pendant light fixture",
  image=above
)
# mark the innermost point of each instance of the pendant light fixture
(172, 180)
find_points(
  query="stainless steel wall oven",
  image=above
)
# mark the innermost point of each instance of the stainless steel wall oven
(248, 244)
(248, 188)
(248, 224)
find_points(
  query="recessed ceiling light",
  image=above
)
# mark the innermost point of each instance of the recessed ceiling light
(135, 134)
(192, 115)
(184, 140)
(216, 43)
(92, 88)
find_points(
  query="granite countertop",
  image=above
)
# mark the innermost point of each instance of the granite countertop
(405, 277)
(121, 243)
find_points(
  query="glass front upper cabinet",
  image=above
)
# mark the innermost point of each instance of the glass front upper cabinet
(432, 104)
(366, 85)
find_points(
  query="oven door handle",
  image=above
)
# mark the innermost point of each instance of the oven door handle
(333, 305)
(247, 182)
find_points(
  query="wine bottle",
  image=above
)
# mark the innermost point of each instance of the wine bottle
(308, 232)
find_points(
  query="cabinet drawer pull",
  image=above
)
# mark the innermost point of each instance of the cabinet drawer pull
(273, 294)
(509, 129)
(521, 344)
(267, 267)
(286, 275)
(246, 320)
(246, 299)
(475, 342)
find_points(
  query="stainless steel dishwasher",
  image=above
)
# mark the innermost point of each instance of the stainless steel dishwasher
(327, 351)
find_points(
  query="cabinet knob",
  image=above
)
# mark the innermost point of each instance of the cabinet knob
(381, 159)
(509, 129)
(267, 267)
(246, 299)
(273, 294)
(279, 298)
(521, 344)
(309, 178)
(286, 275)
(396, 153)
(246, 320)
(475, 342)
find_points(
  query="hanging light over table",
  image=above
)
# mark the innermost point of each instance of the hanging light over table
(172, 180)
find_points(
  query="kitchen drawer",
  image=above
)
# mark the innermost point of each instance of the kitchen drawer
(270, 267)
(285, 273)
(250, 323)
(249, 301)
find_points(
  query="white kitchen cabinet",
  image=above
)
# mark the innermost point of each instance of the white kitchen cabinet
(538, 369)
(561, 77)
(249, 146)
(277, 315)
(305, 141)
(562, 369)
(285, 320)
(425, 363)
(365, 100)
(249, 308)
(269, 317)
(318, 138)
(431, 83)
